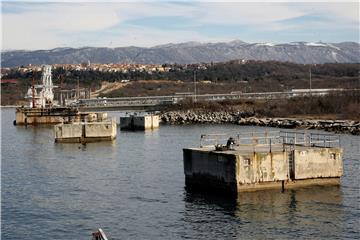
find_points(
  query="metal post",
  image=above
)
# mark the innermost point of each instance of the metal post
(78, 89)
(195, 86)
(310, 79)
(33, 90)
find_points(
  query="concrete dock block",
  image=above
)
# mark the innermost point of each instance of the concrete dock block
(133, 122)
(55, 115)
(260, 166)
(85, 132)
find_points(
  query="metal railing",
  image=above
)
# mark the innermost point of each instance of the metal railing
(172, 99)
(270, 139)
(310, 139)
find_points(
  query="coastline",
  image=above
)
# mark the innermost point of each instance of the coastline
(9, 106)
(248, 118)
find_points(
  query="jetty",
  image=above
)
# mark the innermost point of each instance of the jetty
(42, 108)
(255, 161)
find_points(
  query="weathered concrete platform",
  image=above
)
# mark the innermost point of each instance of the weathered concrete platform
(54, 115)
(263, 165)
(134, 122)
(84, 132)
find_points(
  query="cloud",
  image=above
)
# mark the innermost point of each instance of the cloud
(49, 25)
(140, 36)
(63, 17)
(246, 13)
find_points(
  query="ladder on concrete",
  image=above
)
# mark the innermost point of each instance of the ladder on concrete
(291, 162)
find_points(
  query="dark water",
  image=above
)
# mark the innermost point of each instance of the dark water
(133, 188)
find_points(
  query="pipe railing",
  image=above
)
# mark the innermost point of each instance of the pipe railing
(271, 139)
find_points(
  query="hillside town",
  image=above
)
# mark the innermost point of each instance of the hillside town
(112, 67)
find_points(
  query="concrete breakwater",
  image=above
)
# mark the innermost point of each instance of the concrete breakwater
(134, 122)
(247, 118)
(284, 160)
(82, 132)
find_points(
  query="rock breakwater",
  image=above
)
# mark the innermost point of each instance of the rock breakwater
(247, 118)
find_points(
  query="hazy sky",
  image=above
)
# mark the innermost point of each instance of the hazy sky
(45, 25)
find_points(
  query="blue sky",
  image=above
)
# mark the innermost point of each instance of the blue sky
(46, 25)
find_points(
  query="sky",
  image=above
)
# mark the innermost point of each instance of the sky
(34, 25)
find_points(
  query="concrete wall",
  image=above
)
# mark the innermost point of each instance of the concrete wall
(91, 117)
(68, 131)
(262, 167)
(238, 171)
(203, 168)
(33, 116)
(139, 122)
(21, 119)
(125, 122)
(155, 121)
(101, 116)
(142, 122)
(85, 132)
(318, 163)
(100, 129)
(44, 120)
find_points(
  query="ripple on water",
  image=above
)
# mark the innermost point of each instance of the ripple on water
(133, 188)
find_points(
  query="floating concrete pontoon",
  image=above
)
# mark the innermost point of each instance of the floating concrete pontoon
(85, 132)
(33, 116)
(134, 122)
(42, 108)
(54, 115)
(259, 161)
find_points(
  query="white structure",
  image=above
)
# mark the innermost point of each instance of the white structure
(46, 96)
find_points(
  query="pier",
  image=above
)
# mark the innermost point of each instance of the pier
(154, 103)
(253, 161)
(34, 116)
(54, 115)
(42, 108)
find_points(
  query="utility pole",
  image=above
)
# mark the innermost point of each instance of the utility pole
(33, 89)
(61, 81)
(78, 88)
(61, 93)
(310, 79)
(195, 86)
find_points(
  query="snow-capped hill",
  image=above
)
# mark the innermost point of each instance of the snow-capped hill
(192, 52)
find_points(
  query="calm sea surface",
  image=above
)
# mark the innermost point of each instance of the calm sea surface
(133, 188)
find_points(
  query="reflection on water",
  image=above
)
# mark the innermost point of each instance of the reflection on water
(133, 188)
(296, 213)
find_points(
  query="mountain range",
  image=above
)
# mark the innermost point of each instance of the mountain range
(191, 52)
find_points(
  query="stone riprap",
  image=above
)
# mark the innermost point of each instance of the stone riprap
(246, 118)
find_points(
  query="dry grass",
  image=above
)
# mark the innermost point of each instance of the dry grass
(334, 106)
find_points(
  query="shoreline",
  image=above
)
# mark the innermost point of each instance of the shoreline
(245, 118)
(9, 106)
